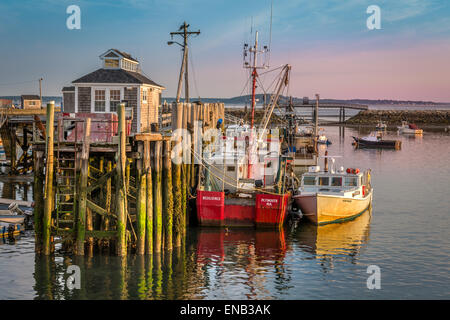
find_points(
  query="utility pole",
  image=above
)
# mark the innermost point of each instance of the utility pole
(183, 31)
(40, 90)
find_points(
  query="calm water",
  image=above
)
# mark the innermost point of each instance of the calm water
(406, 235)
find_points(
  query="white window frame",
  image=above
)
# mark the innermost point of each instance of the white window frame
(93, 100)
(120, 97)
(145, 95)
(107, 97)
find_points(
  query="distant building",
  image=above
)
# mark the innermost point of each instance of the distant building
(119, 79)
(30, 101)
(4, 103)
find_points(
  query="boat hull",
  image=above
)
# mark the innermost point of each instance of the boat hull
(16, 219)
(9, 230)
(325, 209)
(393, 144)
(264, 210)
(410, 131)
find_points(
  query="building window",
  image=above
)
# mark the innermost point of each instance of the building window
(114, 100)
(111, 63)
(32, 103)
(99, 101)
(144, 95)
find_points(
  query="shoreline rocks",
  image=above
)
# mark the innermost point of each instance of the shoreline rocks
(395, 117)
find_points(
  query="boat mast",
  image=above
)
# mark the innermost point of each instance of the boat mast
(254, 75)
(253, 65)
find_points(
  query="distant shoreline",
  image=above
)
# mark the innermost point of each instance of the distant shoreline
(395, 117)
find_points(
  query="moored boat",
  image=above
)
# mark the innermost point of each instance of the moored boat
(243, 172)
(376, 141)
(381, 126)
(334, 196)
(409, 128)
(9, 229)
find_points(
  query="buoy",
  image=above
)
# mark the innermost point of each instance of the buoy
(349, 170)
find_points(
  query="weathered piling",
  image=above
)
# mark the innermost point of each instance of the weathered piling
(167, 196)
(128, 191)
(121, 196)
(149, 204)
(141, 201)
(38, 210)
(157, 196)
(82, 202)
(176, 177)
(46, 221)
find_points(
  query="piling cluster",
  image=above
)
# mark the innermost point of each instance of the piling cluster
(124, 196)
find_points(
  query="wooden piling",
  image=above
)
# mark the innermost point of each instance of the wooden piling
(141, 201)
(38, 210)
(149, 199)
(157, 197)
(120, 185)
(82, 200)
(167, 196)
(108, 196)
(46, 222)
(176, 180)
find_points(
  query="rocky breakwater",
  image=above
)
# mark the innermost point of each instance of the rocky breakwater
(394, 117)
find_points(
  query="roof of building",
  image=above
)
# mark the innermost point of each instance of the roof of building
(30, 97)
(115, 76)
(68, 89)
(123, 54)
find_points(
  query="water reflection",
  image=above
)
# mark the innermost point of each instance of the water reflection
(335, 241)
(216, 263)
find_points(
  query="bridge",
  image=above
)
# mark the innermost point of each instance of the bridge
(338, 106)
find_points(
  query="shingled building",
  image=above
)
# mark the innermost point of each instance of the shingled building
(119, 79)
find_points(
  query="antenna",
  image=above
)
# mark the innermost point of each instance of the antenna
(270, 34)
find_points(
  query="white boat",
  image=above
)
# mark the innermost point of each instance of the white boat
(409, 128)
(322, 139)
(381, 125)
(331, 196)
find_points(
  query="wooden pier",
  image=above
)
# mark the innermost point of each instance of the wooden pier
(120, 193)
(331, 106)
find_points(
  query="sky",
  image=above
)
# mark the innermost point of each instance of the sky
(327, 43)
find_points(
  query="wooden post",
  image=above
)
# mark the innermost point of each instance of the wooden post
(167, 196)
(120, 185)
(105, 219)
(46, 222)
(13, 149)
(82, 200)
(193, 142)
(157, 197)
(141, 201)
(149, 199)
(38, 210)
(176, 182)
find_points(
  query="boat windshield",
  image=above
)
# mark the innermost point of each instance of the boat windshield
(324, 181)
(336, 181)
(351, 181)
(309, 181)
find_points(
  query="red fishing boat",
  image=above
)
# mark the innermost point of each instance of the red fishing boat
(243, 174)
